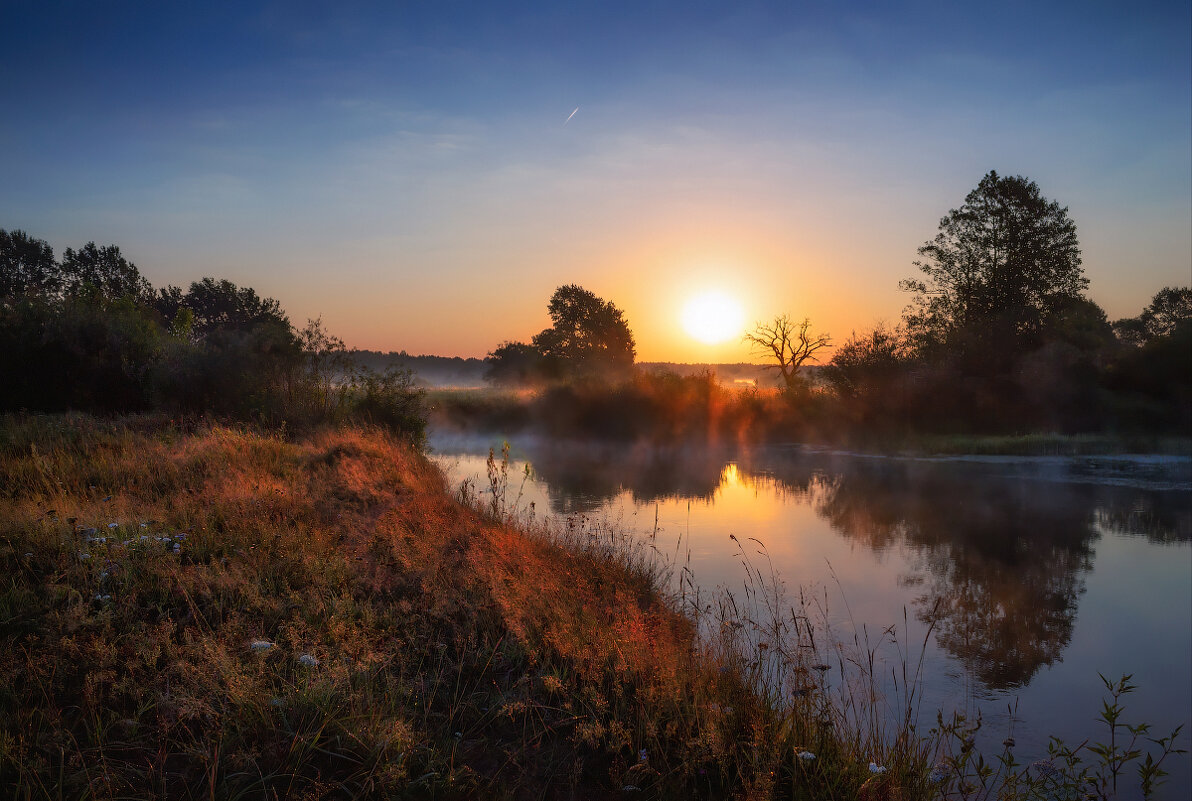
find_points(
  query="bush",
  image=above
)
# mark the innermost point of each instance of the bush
(390, 400)
(241, 374)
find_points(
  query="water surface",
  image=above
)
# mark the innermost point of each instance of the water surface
(1031, 575)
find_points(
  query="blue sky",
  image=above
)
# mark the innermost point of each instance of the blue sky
(404, 169)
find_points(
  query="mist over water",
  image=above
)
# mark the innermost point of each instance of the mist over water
(1033, 574)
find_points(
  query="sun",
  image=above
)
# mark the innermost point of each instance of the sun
(713, 317)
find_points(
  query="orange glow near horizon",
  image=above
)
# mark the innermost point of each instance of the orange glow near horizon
(767, 267)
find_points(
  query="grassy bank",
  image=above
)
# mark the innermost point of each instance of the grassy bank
(216, 613)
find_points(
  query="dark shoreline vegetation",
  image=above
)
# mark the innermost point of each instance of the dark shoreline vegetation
(201, 611)
(668, 410)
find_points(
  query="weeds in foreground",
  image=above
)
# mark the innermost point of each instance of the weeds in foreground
(1087, 771)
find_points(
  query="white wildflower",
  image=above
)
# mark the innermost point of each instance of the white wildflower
(113, 525)
(260, 645)
(876, 769)
(806, 756)
(308, 660)
(1045, 768)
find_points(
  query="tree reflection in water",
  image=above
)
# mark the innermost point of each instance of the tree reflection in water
(1001, 557)
(583, 477)
(1002, 564)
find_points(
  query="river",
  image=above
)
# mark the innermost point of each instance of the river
(1026, 577)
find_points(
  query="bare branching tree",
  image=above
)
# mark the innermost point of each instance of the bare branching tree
(790, 344)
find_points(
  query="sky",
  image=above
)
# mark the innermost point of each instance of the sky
(413, 172)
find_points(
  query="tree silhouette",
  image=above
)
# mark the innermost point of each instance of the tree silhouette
(27, 266)
(103, 270)
(789, 344)
(220, 305)
(999, 267)
(589, 335)
(1153, 373)
(513, 363)
(867, 363)
(1168, 310)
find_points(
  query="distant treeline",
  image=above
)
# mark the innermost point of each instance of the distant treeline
(89, 333)
(456, 372)
(429, 371)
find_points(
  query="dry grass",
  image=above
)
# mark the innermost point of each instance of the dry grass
(418, 646)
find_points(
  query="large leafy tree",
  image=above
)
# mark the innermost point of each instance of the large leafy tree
(221, 306)
(103, 270)
(588, 336)
(1001, 265)
(27, 266)
(1170, 309)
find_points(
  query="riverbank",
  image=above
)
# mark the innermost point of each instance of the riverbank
(216, 612)
(672, 410)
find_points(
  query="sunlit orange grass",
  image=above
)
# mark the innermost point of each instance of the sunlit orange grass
(586, 611)
(583, 615)
(166, 650)
(424, 619)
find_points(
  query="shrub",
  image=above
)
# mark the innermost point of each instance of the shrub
(390, 400)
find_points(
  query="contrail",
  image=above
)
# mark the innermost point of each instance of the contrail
(569, 116)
